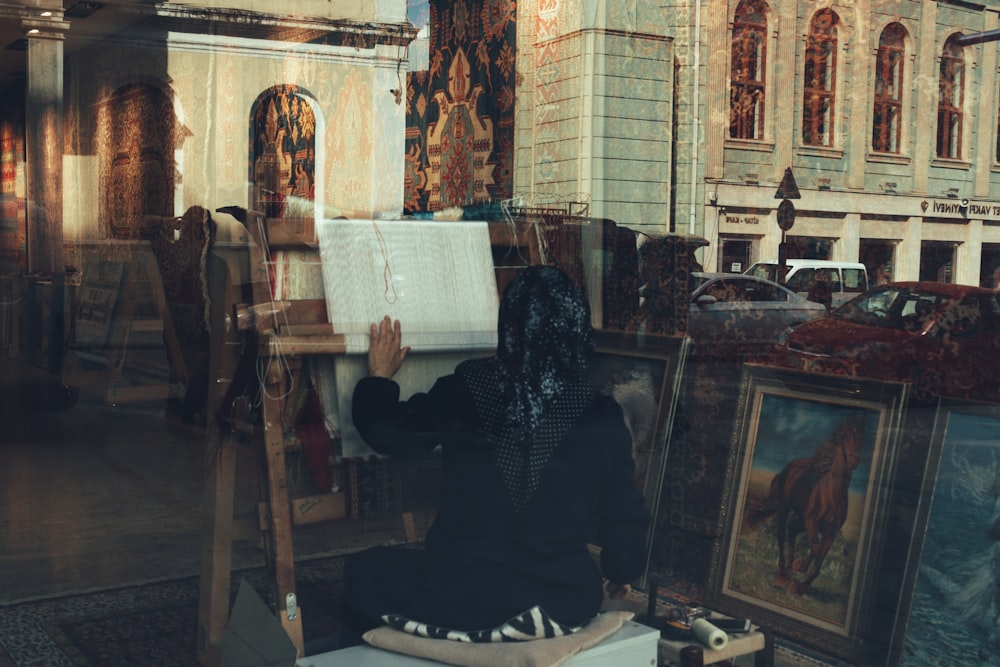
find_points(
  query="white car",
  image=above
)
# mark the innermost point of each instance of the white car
(845, 279)
(737, 313)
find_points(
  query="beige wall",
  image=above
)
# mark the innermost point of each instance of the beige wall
(213, 83)
(594, 113)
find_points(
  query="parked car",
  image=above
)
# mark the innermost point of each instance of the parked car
(736, 314)
(943, 338)
(845, 279)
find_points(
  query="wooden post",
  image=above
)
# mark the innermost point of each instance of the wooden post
(217, 548)
(225, 352)
(279, 518)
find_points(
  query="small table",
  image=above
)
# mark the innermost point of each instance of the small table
(692, 653)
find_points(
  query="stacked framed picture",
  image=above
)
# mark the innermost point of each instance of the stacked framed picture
(950, 602)
(642, 373)
(804, 505)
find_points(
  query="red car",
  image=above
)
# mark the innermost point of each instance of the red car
(943, 338)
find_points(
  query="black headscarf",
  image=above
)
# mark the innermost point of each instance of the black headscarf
(532, 392)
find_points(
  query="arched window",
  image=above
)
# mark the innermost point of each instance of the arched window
(951, 96)
(283, 151)
(886, 126)
(749, 55)
(820, 76)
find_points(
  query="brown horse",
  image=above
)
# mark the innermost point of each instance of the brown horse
(810, 495)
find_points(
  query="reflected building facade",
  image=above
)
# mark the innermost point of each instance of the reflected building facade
(685, 117)
(676, 119)
(889, 125)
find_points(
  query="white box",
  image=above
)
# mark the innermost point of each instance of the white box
(633, 645)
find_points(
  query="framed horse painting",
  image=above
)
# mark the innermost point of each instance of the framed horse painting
(808, 475)
(952, 584)
(642, 373)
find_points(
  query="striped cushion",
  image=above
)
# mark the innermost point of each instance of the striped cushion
(527, 626)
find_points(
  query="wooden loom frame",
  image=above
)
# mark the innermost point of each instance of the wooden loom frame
(303, 331)
(290, 330)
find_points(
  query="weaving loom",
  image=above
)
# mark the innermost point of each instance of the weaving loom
(436, 278)
(314, 299)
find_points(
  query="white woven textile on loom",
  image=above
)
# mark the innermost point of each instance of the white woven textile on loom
(437, 278)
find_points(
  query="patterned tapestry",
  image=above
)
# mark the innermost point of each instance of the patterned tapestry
(136, 133)
(460, 112)
(282, 149)
(12, 208)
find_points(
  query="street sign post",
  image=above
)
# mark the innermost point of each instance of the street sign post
(787, 191)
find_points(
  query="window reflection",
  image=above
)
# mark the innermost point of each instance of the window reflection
(820, 79)
(889, 82)
(749, 59)
(951, 97)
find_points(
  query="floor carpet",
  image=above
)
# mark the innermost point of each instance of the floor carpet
(147, 625)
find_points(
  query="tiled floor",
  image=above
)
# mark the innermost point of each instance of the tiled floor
(93, 496)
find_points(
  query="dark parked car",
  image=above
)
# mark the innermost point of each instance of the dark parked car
(738, 314)
(943, 338)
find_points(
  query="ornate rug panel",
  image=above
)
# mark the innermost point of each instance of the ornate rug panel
(152, 624)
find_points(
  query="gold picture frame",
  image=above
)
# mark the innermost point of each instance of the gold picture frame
(804, 504)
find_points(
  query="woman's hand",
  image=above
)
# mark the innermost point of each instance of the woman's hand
(385, 353)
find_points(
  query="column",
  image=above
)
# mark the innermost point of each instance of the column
(969, 255)
(907, 258)
(44, 143)
(848, 249)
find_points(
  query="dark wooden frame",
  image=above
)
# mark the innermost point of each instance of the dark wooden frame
(624, 359)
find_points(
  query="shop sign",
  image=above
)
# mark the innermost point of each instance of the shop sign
(742, 219)
(963, 208)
